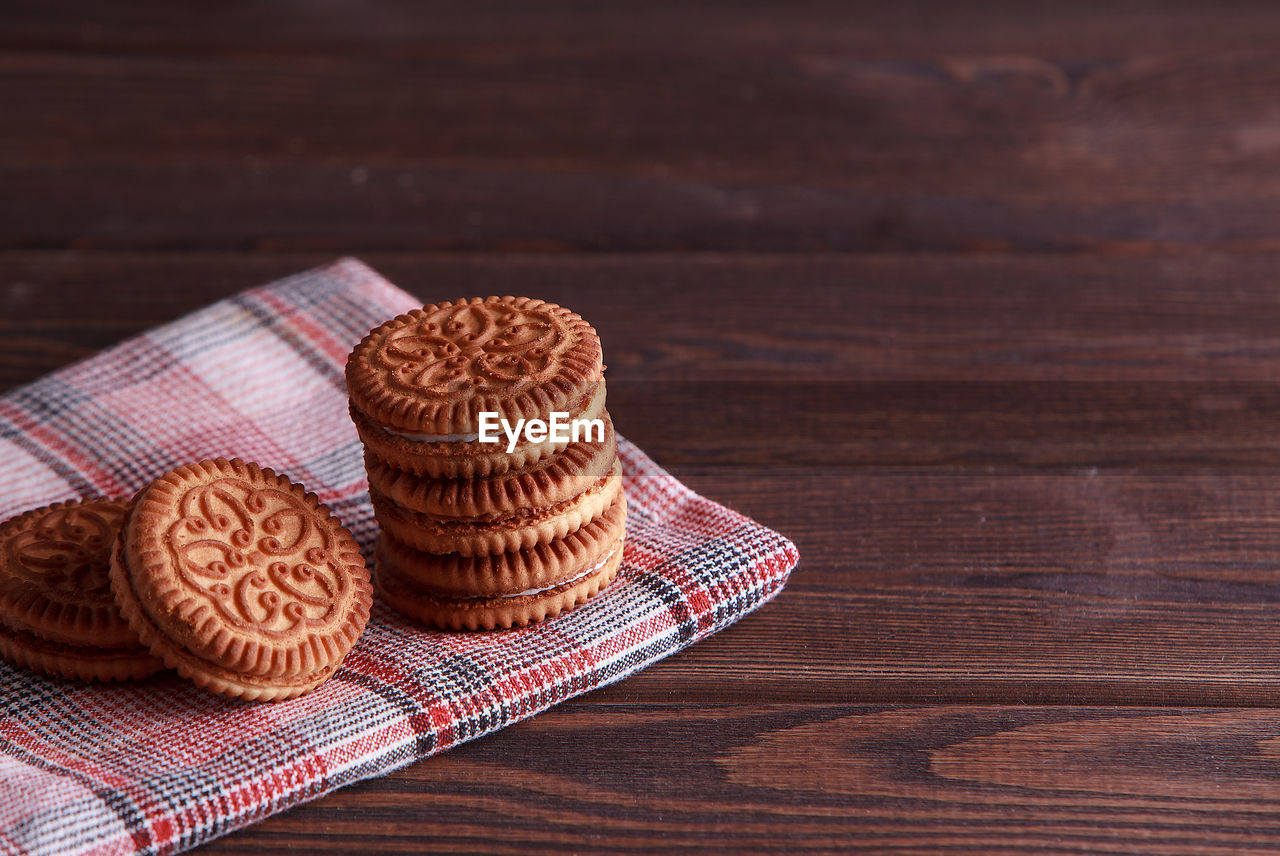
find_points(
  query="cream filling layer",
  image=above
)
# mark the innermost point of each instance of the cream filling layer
(588, 572)
(433, 438)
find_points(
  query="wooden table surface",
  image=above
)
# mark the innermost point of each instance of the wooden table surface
(978, 303)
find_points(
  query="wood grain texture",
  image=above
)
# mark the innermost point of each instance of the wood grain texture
(768, 317)
(846, 127)
(391, 27)
(822, 778)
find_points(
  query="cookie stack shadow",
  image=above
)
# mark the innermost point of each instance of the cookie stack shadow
(485, 535)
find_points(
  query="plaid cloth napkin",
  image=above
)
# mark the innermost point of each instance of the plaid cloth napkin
(158, 766)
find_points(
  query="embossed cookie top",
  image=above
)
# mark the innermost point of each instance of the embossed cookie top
(246, 570)
(433, 369)
(53, 573)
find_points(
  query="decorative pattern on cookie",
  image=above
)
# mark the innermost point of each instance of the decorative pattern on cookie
(57, 612)
(432, 370)
(552, 480)
(483, 537)
(240, 580)
(517, 609)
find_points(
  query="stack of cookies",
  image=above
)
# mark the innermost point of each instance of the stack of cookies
(489, 518)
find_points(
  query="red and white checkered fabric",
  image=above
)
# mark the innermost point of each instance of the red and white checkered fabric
(158, 766)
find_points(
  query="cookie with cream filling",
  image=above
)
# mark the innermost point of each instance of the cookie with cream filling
(463, 455)
(506, 589)
(550, 481)
(496, 533)
(240, 580)
(57, 612)
(419, 382)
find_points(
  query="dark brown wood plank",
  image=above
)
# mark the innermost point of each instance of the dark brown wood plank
(1011, 364)
(1107, 589)
(847, 129)
(1210, 318)
(391, 26)
(819, 778)
(1089, 589)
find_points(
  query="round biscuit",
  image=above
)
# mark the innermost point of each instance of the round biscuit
(497, 535)
(553, 480)
(240, 580)
(434, 370)
(493, 613)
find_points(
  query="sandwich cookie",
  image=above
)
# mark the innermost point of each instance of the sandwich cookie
(57, 612)
(479, 536)
(240, 580)
(502, 590)
(419, 382)
(463, 455)
(548, 482)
